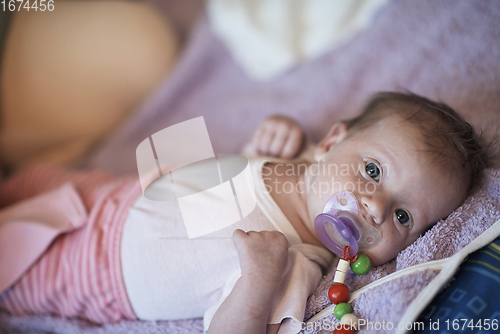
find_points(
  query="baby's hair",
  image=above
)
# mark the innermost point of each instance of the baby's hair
(447, 135)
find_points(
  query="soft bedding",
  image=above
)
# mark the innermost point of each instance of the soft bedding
(445, 50)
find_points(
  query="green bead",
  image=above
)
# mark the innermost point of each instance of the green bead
(362, 265)
(342, 309)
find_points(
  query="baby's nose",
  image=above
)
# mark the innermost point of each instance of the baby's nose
(375, 206)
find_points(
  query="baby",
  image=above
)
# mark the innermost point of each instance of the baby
(408, 161)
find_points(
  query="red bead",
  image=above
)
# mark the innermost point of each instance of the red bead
(339, 293)
(344, 329)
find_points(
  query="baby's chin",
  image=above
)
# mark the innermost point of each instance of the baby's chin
(377, 257)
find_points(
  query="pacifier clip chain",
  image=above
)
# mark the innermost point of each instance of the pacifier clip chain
(339, 293)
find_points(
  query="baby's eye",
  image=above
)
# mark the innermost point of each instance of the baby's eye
(403, 217)
(373, 171)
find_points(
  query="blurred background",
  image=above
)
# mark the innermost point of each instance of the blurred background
(83, 84)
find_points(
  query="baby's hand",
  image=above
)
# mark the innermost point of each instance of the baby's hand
(279, 136)
(262, 254)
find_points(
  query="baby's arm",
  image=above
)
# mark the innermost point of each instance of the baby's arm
(263, 258)
(278, 136)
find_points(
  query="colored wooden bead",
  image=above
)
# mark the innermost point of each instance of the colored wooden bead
(344, 329)
(362, 265)
(342, 309)
(339, 293)
(339, 277)
(351, 320)
(343, 265)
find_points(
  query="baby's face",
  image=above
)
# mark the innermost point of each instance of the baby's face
(398, 188)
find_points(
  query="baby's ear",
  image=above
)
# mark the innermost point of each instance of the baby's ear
(336, 134)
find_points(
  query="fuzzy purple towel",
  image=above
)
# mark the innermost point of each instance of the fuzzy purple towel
(446, 50)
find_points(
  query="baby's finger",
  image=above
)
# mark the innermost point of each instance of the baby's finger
(293, 144)
(279, 140)
(256, 138)
(239, 233)
(238, 237)
(265, 140)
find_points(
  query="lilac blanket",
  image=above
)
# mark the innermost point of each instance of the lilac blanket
(446, 50)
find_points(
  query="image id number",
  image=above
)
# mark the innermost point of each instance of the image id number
(34, 5)
(461, 324)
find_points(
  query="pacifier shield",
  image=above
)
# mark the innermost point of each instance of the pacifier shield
(338, 226)
(341, 238)
(342, 200)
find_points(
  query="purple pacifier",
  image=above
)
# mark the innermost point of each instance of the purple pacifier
(338, 227)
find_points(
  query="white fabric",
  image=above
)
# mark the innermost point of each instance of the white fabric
(168, 276)
(268, 37)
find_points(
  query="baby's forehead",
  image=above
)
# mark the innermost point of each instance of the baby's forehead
(394, 130)
(420, 137)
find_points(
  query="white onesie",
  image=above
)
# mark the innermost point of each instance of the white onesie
(168, 276)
